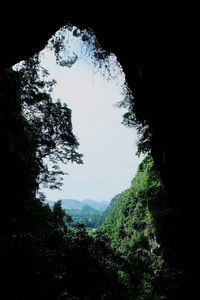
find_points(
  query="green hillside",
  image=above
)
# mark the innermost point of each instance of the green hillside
(87, 212)
(90, 217)
(72, 204)
(131, 229)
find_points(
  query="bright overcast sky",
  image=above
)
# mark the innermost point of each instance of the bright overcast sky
(108, 146)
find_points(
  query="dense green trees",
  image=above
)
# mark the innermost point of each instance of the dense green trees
(90, 217)
(134, 227)
(47, 260)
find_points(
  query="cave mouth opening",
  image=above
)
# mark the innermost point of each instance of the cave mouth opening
(91, 82)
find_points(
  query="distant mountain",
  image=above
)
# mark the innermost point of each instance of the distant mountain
(72, 204)
(87, 211)
(78, 204)
(97, 205)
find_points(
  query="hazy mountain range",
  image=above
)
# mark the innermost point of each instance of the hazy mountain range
(87, 212)
(79, 204)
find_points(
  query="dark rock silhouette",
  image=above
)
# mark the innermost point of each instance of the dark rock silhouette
(152, 49)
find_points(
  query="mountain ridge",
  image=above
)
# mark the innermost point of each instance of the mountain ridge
(79, 204)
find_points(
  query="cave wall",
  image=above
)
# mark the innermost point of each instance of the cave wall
(150, 46)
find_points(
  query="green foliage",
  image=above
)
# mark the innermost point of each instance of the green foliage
(88, 216)
(82, 213)
(46, 259)
(131, 227)
(40, 256)
(48, 121)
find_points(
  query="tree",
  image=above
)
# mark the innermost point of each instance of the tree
(49, 122)
(59, 218)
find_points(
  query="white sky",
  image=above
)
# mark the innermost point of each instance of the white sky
(108, 146)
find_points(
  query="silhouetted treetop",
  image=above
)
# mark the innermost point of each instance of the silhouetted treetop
(49, 121)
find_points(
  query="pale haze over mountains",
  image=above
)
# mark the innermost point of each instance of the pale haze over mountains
(79, 204)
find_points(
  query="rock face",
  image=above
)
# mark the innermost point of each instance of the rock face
(151, 48)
